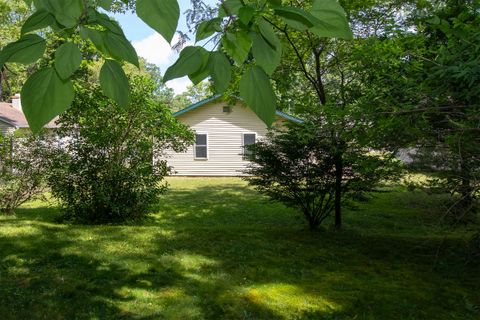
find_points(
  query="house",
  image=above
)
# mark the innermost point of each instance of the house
(13, 119)
(221, 133)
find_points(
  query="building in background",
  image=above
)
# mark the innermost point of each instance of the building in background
(222, 132)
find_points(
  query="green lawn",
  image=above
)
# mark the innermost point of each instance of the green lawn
(215, 249)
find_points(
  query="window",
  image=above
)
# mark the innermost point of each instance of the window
(201, 146)
(248, 140)
(227, 109)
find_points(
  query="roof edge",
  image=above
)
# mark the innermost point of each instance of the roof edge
(288, 116)
(197, 105)
(9, 123)
(215, 97)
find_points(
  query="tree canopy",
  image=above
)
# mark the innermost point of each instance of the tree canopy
(238, 29)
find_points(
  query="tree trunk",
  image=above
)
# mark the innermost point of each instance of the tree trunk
(466, 190)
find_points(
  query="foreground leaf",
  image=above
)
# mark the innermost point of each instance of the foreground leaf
(27, 49)
(245, 14)
(332, 20)
(221, 71)
(112, 44)
(44, 96)
(237, 45)
(207, 28)
(267, 32)
(191, 60)
(296, 18)
(105, 21)
(39, 20)
(114, 83)
(67, 59)
(161, 15)
(257, 92)
(230, 7)
(203, 72)
(265, 56)
(66, 12)
(105, 4)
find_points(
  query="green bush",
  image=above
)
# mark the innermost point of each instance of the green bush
(22, 172)
(105, 169)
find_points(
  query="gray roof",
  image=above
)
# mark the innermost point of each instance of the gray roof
(16, 118)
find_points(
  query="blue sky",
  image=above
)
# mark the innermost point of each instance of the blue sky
(151, 46)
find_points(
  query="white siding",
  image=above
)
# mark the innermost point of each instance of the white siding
(5, 128)
(225, 132)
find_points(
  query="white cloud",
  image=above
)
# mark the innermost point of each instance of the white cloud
(179, 85)
(158, 51)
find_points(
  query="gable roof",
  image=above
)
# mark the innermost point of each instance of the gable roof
(12, 116)
(217, 96)
(16, 118)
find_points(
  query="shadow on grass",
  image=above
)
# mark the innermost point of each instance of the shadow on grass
(223, 252)
(226, 205)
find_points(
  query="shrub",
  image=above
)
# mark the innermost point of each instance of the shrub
(105, 171)
(297, 167)
(22, 173)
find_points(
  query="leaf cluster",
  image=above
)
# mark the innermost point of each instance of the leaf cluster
(242, 31)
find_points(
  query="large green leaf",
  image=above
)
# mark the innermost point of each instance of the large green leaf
(105, 4)
(203, 72)
(67, 12)
(230, 7)
(221, 71)
(237, 45)
(112, 44)
(101, 19)
(26, 50)
(257, 92)
(332, 20)
(296, 18)
(161, 15)
(44, 96)
(114, 83)
(190, 61)
(245, 14)
(269, 34)
(120, 48)
(67, 59)
(265, 56)
(275, 2)
(207, 28)
(38, 20)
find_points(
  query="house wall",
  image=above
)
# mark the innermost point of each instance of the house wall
(6, 128)
(224, 132)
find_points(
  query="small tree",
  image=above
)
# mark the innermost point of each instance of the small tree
(105, 171)
(22, 172)
(297, 167)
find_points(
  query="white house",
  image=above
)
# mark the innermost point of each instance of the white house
(221, 133)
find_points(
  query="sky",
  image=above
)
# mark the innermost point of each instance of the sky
(152, 47)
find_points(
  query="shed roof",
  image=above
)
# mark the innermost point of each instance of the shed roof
(217, 96)
(16, 118)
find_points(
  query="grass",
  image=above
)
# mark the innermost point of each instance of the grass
(215, 249)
